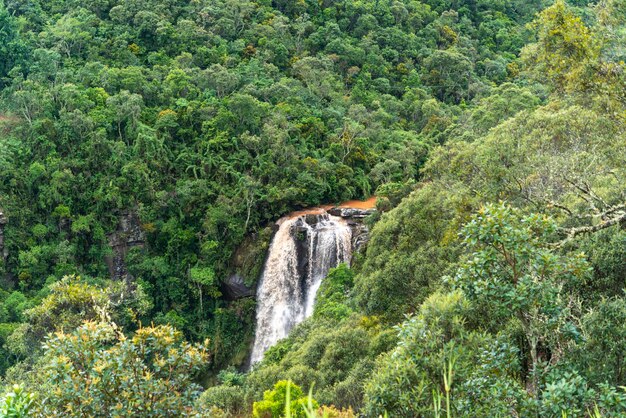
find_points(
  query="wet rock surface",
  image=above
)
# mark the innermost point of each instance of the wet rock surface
(127, 235)
(351, 213)
(355, 218)
(234, 287)
(247, 263)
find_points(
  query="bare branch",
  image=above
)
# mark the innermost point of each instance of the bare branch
(619, 218)
(553, 204)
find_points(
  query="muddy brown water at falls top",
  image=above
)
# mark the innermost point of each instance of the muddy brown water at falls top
(369, 204)
(306, 246)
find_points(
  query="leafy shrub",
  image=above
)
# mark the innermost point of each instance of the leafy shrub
(229, 399)
(410, 248)
(16, 404)
(331, 299)
(567, 394)
(403, 381)
(304, 376)
(231, 377)
(600, 356)
(332, 412)
(97, 370)
(274, 403)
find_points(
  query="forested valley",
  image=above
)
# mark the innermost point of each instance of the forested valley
(148, 148)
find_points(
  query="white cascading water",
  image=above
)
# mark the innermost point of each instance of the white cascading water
(285, 298)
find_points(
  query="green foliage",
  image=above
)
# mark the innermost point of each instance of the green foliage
(575, 60)
(6, 329)
(565, 46)
(207, 120)
(606, 251)
(568, 393)
(512, 279)
(231, 377)
(429, 343)
(599, 357)
(334, 357)
(229, 399)
(17, 403)
(285, 400)
(450, 74)
(503, 103)
(410, 248)
(547, 152)
(14, 49)
(70, 302)
(204, 277)
(330, 301)
(513, 272)
(97, 370)
(311, 409)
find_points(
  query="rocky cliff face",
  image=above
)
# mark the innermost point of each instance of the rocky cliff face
(302, 252)
(127, 235)
(355, 218)
(247, 263)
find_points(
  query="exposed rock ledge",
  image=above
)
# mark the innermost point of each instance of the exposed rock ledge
(127, 235)
(355, 217)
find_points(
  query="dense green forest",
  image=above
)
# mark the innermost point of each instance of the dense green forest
(147, 146)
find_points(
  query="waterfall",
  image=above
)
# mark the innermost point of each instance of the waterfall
(302, 251)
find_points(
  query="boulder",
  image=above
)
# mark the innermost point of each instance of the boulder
(351, 213)
(234, 287)
(246, 265)
(355, 217)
